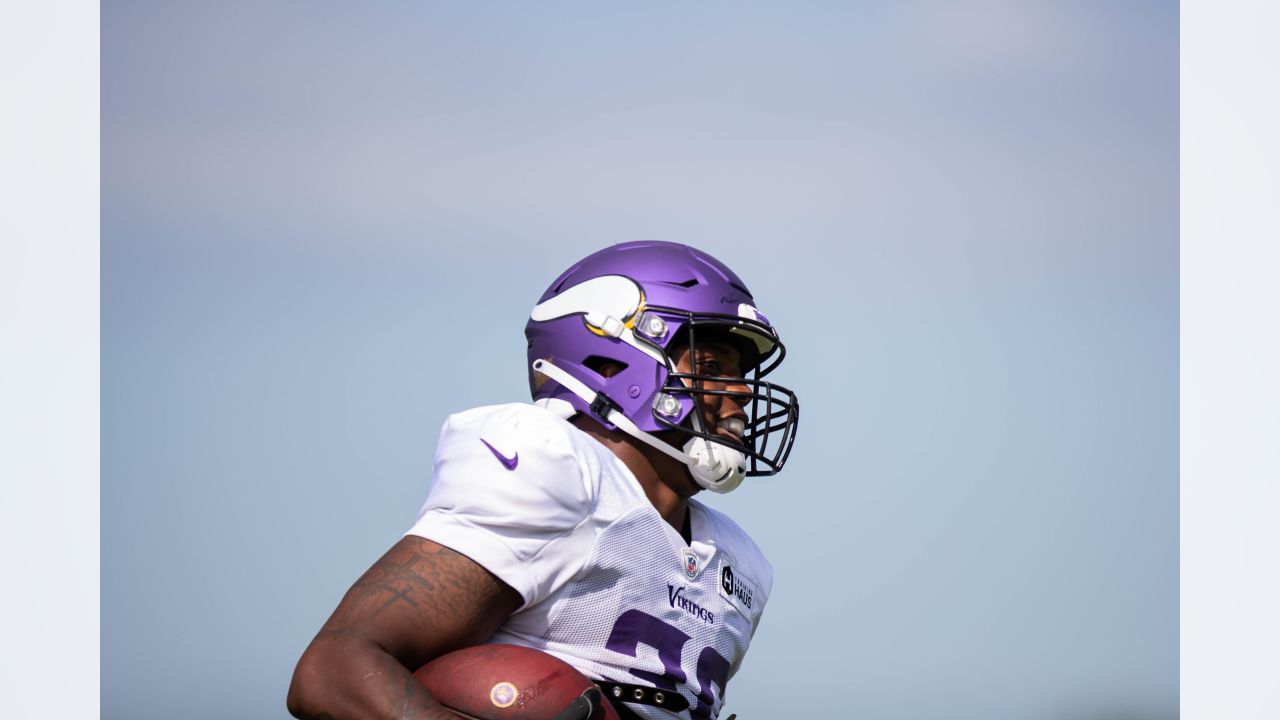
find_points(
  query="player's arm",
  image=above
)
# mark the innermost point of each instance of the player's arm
(419, 601)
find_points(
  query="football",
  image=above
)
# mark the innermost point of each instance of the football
(510, 682)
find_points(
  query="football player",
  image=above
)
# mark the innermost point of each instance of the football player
(569, 525)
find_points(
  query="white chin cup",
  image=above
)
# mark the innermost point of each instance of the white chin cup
(719, 469)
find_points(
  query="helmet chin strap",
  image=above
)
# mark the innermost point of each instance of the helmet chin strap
(718, 468)
(715, 467)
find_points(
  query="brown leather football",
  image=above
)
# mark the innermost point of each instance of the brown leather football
(510, 682)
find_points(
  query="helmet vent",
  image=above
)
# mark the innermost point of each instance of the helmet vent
(741, 289)
(596, 364)
(686, 284)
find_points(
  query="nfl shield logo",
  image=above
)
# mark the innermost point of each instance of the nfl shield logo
(690, 563)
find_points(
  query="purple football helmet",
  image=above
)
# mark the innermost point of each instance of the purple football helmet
(627, 306)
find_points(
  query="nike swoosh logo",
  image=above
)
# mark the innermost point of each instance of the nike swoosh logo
(507, 462)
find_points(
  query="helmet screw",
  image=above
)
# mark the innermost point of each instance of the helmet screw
(668, 405)
(653, 325)
(634, 391)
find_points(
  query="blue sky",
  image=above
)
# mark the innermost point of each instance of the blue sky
(323, 228)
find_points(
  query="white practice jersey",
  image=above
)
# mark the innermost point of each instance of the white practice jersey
(608, 586)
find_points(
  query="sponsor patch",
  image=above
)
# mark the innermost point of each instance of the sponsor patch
(739, 590)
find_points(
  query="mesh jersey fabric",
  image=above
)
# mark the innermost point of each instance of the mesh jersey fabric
(608, 585)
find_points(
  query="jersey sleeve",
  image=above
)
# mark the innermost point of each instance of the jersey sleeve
(509, 491)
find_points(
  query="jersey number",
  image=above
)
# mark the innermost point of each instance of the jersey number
(635, 628)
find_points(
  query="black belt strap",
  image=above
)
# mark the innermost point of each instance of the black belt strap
(618, 693)
(624, 712)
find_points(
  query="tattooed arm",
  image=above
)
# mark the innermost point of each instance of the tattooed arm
(419, 601)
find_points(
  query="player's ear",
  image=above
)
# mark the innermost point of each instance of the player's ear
(604, 367)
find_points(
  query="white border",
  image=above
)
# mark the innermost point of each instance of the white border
(1230, 399)
(49, 151)
(1230, 342)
